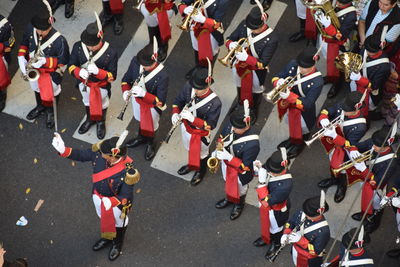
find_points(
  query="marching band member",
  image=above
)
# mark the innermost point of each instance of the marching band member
(240, 151)
(147, 80)
(302, 13)
(157, 15)
(206, 30)
(382, 169)
(69, 6)
(335, 40)
(49, 59)
(389, 108)
(113, 11)
(312, 232)
(341, 140)
(198, 108)
(299, 101)
(113, 181)
(6, 43)
(94, 64)
(251, 66)
(274, 187)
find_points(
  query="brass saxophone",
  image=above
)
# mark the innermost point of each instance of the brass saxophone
(213, 163)
(33, 74)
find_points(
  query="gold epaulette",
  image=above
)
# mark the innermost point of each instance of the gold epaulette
(131, 179)
(96, 146)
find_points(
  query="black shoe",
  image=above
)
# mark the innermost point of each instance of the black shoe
(34, 113)
(162, 53)
(223, 203)
(102, 243)
(393, 253)
(236, 211)
(50, 120)
(85, 126)
(115, 251)
(297, 36)
(118, 24)
(138, 140)
(326, 183)
(252, 2)
(189, 73)
(271, 250)
(341, 189)
(333, 91)
(184, 170)
(55, 5)
(357, 216)
(3, 98)
(101, 129)
(150, 152)
(197, 178)
(69, 9)
(266, 4)
(259, 242)
(295, 150)
(105, 20)
(285, 144)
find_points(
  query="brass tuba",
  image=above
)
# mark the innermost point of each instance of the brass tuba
(273, 96)
(185, 26)
(228, 60)
(347, 63)
(323, 7)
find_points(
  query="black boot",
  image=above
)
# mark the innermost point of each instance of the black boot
(294, 150)
(266, 4)
(184, 170)
(34, 113)
(274, 246)
(101, 243)
(106, 16)
(87, 123)
(328, 182)
(55, 4)
(101, 126)
(259, 242)
(50, 117)
(393, 253)
(150, 151)
(237, 208)
(299, 35)
(199, 175)
(69, 8)
(118, 24)
(138, 140)
(357, 216)
(341, 188)
(223, 203)
(372, 223)
(3, 98)
(116, 248)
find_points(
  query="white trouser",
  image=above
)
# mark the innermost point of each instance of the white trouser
(186, 142)
(242, 188)
(105, 101)
(152, 20)
(304, 128)
(398, 220)
(214, 43)
(300, 9)
(56, 87)
(136, 113)
(256, 89)
(273, 228)
(117, 212)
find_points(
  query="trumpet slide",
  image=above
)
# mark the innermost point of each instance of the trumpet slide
(318, 135)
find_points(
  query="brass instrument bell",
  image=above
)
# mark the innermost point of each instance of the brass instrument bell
(228, 60)
(185, 26)
(347, 63)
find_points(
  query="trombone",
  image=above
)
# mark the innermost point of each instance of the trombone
(273, 96)
(185, 26)
(213, 163)
(229, 59)
(350, 163)
(318, 135)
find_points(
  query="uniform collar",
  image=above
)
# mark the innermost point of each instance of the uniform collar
(359, 253)
(206, 94)
(377, 55)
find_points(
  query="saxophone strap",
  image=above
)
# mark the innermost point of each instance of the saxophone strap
(254, 40)
(45, 44)
(95, 57)
(345, 11)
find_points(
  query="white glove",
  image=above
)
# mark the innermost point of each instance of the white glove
(175, 118)
(188, 10)
(233, 45)
(199, 17)
(106, 203)
(283, 239)
(384, 201)
(242, 55)
(40, 62)
(83, 73)
(262, 175)
(224, 155)
(324, 123)
(93, 69)
(355, 76)
(330, 133)
(256, 166)
(360, 166)
(125, 95)
(58, 143)
(396, 202)
(280, 82)
(187, 115)
(138, 91)
(397, 101)
(354, 154)
(294, 237)
(284, 94)
(22, 62)
(324, 20)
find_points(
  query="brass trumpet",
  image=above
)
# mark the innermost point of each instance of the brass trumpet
(185, 26)
(350, 163)
(229, 59)
(273, 96)
(213, 163)
(347, 63)
(318, 135)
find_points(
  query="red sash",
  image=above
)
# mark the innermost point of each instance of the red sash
(294, 116)
(95, 103)
(203, 44)
(302, 256)
(5, 78)
(246, 82)
(354, 175)
(194, 145)
(46, 87)
(231, 182)
(117, 7)
(311, 28)
(163, 24)
(104, 174)
(107, 221)
(332, 73)
(146, 120)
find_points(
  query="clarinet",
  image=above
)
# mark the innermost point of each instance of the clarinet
(121, 114)
(295, 230)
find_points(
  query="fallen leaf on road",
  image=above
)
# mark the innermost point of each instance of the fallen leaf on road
(73, 163)
(63, 130)
(21, 126)
(28, 190)
(51, 242)
(73, 98)
(138, 190)
(38, 205)
(35, 160)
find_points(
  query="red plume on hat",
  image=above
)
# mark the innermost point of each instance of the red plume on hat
(284, 162)
(99, 27)
(322, 203)
(264, 15)
(360, 238)
(209, 76)
(51, 18)
(392, 133)
(246, 109)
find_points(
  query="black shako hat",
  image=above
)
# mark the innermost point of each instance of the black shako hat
(199, 78)
(347, 238)
(306, 58)
(144, 56)
(311, 207)
(274, 163)
(253, 19)
(379, 136)
(108, 145)
(351, 101)
(237, 119)
(41, 20)
(372, 43)
(90, 35)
